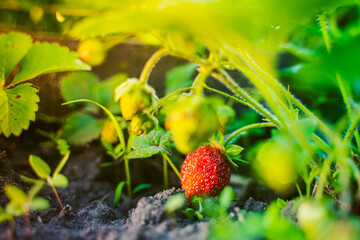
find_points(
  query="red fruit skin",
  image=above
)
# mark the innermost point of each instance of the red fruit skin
(204, 172)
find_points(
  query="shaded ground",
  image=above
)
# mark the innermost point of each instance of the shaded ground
(89, 213)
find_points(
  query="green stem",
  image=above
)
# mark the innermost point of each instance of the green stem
(228, 96)
(351, 129)
(150, 64)
(225, 78)
(323, 178)
(165, 169)
(164, 99)
(299, 190)
(243, 129)
(340, 82)
(126, 163)
(199, 82)
(61, 164)
(127, 173)
(119, 132)
(171, 165)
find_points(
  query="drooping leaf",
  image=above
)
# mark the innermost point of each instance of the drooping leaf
(13, 47)
(179, 77)
(45, 58)
(140, 187)
(40, 167)
(118, 191)
(15, 194)
(82, 128)
(17, 108)
(60, 180)
(39, 204)
(153, 143)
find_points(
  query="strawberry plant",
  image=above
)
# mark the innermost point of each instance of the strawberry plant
(18, 97)
(278, 78)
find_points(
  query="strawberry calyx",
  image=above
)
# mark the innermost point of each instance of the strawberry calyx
(231, 152)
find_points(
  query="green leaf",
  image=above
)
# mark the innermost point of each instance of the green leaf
(39, 204)
(140, 187)
(78, 85)
(15, 194)
(179, 77)
(13, 48)
(17, 108)
(104, 92)
(82, 128)
(40, 167)
(60, 180)
(175, 203)
(189, 213)
(118, 191)
(233, 150)
(45, 58)
(153, 143)
(226, 197)
(62, 146)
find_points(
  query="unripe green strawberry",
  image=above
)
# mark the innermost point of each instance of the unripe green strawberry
(92, 51)
(276, 166)
(192, 122)
(142, 123)
(134, 97)
(205, 172)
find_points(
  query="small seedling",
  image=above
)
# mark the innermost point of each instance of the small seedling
(21, 203)
(43, 171)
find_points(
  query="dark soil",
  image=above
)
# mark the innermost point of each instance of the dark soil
(89, 213)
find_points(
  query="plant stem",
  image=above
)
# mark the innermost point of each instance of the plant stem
(228, 96)
(351, 129)
(61, 164)
(248, 127)
(165, 169)
(171, 165)
(199, 82)
(225, 78)
(169, 96)
(150, 64)
(340, 82)
(127, 173)
(126, 164)
(56, 195)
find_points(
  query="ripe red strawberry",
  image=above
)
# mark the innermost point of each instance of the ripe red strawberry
(205, 172)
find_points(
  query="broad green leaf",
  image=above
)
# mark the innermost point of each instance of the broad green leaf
(60, 180)
(153, 143)
(13, 47)
(40, 167)
(39, 204)
(140, 187)
(179, 77)
(118, 191)
(17, 108)
(82, 128)
(15, 194)
(104, 92)
(78, 85)
(45, 58)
